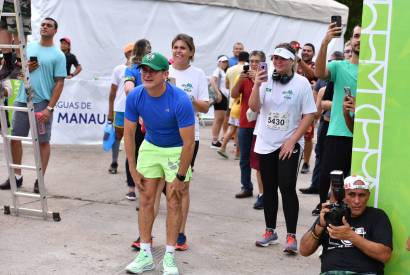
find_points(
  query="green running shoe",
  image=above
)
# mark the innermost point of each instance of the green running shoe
(169, 265)
(143, 262)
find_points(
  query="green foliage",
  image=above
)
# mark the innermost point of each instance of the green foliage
(355, 15)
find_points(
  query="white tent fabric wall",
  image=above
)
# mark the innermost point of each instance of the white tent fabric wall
(99, 29)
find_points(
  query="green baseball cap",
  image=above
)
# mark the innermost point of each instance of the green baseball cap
(155, 61)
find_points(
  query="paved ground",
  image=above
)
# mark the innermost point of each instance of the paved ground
(98, 223)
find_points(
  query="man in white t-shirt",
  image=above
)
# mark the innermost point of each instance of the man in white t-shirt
(286, 106)
(116, 109)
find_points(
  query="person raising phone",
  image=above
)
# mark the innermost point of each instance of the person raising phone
(286, 106)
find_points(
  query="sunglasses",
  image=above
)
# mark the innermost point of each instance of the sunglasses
(347, 51)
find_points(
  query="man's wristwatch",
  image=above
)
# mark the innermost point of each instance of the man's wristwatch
(51, 109)
(180, 177)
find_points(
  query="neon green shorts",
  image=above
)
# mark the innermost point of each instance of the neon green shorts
(159, 162)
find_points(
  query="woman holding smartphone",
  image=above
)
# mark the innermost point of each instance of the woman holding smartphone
(193, 81)
(286, 106)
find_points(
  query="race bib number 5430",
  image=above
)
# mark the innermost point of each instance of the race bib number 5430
(278, 121)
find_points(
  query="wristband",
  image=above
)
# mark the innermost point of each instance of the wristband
(180, 177)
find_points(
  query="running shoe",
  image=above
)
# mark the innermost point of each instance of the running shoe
(259, 202)
(168, 264)
(181, 242)
(142, 262)
(291, 244)
(216, 144)
(131, 196)
(222, 154)
(36, 189)
(6, 185)
(270, 237)
(113, 168)
(305, 168)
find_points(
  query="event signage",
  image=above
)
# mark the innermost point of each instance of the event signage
(381, 132)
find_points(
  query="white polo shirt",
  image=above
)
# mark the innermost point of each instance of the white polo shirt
(282, 107)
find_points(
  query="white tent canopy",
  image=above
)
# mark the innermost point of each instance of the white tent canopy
(313, 10)
(100, 28)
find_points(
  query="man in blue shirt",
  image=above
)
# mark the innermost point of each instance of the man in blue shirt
(237, 48)
(166, 152)
(47, 75)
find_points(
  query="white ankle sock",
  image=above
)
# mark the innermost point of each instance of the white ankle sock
(147, 248)
(170, 249)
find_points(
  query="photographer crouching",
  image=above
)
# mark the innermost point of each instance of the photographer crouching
(361, 243)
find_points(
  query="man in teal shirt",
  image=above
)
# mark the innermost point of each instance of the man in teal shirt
(47, 67)
(339, 139)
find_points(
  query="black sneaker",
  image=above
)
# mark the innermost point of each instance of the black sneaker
(36, 189)
(310, 190)
(305, 168)
(6, 185)
(113, 168)
(259, 203)
(316, 211)
(216, 144)
(131, 196)
(244, 194)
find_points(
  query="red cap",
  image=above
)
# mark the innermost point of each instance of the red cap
(66, 39)
(295, 44)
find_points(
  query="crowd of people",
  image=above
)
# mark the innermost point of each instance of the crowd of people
(268, 109)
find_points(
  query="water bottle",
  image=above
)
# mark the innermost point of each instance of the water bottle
(109, 136)
(41, 125)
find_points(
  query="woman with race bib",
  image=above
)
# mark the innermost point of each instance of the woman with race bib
(286, 106)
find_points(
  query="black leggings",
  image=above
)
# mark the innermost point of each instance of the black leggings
(283, 174)
(139, 138)
(337, 155)
(195, 153)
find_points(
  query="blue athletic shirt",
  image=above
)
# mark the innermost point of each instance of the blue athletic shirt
(52, 64)
(163, 116)
(133, 73)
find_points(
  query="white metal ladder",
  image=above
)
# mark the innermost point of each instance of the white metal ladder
(7, 138)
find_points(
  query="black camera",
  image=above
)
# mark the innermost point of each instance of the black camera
(338, 209)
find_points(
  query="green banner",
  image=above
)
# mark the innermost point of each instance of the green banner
(381, 133)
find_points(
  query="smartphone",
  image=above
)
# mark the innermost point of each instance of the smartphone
(263, 66)
(245, 68)
(348, 91)
(33, 58)
(338, 20)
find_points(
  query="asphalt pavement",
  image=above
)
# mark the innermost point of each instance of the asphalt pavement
(98, 224)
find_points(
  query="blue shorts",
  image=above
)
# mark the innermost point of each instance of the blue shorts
(119, 119)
